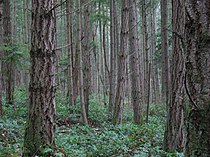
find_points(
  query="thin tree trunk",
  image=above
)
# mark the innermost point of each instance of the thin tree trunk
(145, 48)
(82, 97)
(113, 52)
(164, 50)
(153, 87)
(75, 65)
(69, 49)
(86, 57)
(14, 21)
(106, 68)
(148, 95)
(40, 127)
(7, 40)
(1, 55)
(101, 54)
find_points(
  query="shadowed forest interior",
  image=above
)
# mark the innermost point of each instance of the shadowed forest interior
(104, 78)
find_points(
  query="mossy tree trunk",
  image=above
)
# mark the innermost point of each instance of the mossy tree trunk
(198, 77)
(40, 126)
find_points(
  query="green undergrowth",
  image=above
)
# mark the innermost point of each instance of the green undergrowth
(99, 139)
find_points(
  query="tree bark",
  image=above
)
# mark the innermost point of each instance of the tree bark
(120, 90)
(198, 77)
(7, 40)
(164, 50)
(145, 48)
(174, 139)
(70, 51)
(1, 55)
(82, 96)
(86, 57)
(136, 98)
(41, 121)
(113, 51)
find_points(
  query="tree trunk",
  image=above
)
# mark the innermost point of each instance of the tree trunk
(145, 49)
(121, 64)
(153, 62)
(82, 97)
(198, 77)
(41, 123)
(86, 57)
(75, 65)
(164, 50)
(1, 55)
(174, 139)
(113, 51)
(7, 40)
(148, 95)
(134, 63)
(70, 50)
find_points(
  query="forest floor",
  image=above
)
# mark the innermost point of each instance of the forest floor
(99, 139)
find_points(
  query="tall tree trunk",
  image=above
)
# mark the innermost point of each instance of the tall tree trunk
(121, 64)
(153, 50)
(82, 97)
(26, 38)
(174, 139)
(41, 121)
(1, 55)
(101, 54)
(198, 77)
(75, 65)
(134, 63)
(14, 21)
(26, 29)
(148, 95)
(86, 56)
(145, 53)
(7, 40)
(113, 52)
(106, 70)
(70, 50)
(164, 50)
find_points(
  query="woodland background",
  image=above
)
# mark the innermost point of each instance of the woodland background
(116, 78)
